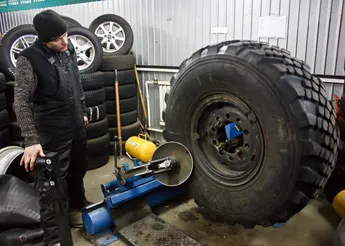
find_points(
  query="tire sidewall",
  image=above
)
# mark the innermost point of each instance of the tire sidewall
(216, 74)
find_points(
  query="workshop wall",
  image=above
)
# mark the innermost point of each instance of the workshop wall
(168, 31)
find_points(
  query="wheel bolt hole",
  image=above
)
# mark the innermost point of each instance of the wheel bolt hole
(231, 158)
(246, 146)
(238, 120)
(245, 132)
(227, 116)
(240, 155)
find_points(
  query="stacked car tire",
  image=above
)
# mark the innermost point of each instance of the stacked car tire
(5, 138)
(127, 97)
(97, 130)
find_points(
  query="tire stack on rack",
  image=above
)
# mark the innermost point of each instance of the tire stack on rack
(128, 101)
(116, 55)
(5, 138)
(97, 130)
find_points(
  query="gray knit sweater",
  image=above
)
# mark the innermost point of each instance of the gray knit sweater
(24, 90)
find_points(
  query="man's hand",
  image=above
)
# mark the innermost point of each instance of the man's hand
(30, 155)
(86, 121)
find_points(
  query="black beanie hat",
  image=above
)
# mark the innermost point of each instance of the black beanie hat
(49, 25)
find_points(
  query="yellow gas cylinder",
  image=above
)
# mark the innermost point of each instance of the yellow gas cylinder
(140, 148)
(339, 203)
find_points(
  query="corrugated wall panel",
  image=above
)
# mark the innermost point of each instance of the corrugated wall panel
(168, 31)
(341, 46)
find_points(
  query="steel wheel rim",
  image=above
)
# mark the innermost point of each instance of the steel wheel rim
(111, 35)
(204, 135)
(19, 45)
(85, 51)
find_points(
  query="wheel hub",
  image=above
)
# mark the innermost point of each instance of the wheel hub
(229, 138)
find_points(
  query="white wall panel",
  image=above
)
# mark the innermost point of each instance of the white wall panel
(168, 31)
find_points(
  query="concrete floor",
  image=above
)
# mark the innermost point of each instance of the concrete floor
(313, 226)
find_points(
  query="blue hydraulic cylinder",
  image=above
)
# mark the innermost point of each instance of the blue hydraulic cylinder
(97, 220)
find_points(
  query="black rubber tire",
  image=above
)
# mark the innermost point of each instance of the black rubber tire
(12, 35)
(94, 40)
(95, 97)
(98, 145)
(15, 132)
(336, 183)
(70, 22)
(5, 138)
(92, 81)
(97, 161)
(121, 62)
(126, 118)
(126, 131)
(96, 113)
(10, 91)
(125, 91)
(124, 77)
(3, 101)
(128, 33)
(4, 118)
(97, 129)
(126, 105)
(11, 112)
(291, 125)
(2, 82)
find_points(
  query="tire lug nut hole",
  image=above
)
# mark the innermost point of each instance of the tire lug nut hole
(246, 146)
(238, 120)
(227, 116)
(231, 158)
(245, 132)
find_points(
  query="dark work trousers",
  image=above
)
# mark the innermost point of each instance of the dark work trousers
(71, 147)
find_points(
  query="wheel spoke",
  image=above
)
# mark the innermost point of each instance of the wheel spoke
(74, 42)
(86, 46)
(111, 27)
(16, 50)
(103, 28)
(115, 44)
(108, 45)
(118, 30)
(84, 58)
(100, 35)
(24, 42)
(120, 38)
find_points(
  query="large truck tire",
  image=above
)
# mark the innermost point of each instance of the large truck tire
(289, 142)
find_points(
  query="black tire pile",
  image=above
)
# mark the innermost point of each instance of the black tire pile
(110, 52)
(5, 138)
(97, 130)
(127, 96)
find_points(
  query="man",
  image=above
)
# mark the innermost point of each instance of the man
(49, 103)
